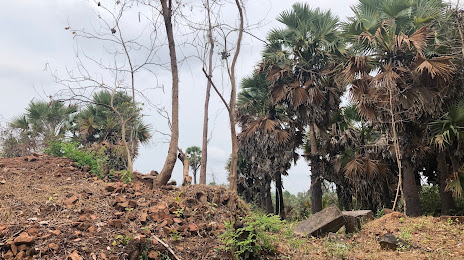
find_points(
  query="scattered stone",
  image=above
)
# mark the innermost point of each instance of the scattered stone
(70, 201)
(153, 255)
(44, 223)
(22, 247)
(117, 223)
(54, 246)
(110, 187)
(193, 228)
(20, 255)
(103, 256)
(132, 204)
(143, 217)
(327, 220)
(3, 182)
(122, 206)
(56, 232)
(31, 159)
(9, 254)
(131, 216)
(24, 238)
(14, 249)
(391, 242)
(75, 256)
(92, 229)
(33, 231)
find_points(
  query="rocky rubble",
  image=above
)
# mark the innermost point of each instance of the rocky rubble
(49, 209)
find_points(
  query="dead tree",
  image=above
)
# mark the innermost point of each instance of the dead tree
(230, 106)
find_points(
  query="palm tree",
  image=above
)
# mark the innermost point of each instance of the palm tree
(300, 63)
(448, 134)
(267, 140)
(194, 157)
(398, 68)
(98, 125)
(44, 121)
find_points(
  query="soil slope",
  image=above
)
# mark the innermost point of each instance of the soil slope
(50, 209)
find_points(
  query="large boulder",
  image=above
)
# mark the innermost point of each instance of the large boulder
(354, 219)
(391, 242)
(327, 220)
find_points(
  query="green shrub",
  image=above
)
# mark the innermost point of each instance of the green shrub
(96, 160)
(257, 236)
(430, 200)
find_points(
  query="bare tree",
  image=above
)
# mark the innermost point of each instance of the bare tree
(165, 175)
(123, 57)
(204, 148)
(230, 106)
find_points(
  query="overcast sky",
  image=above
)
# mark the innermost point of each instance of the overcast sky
(33, 38)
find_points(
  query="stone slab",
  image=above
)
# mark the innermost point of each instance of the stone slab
(327, 220)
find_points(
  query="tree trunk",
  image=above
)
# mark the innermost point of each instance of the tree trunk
(233, 99)
(454, 162)
(344, 197)
(168, 167)
(204, 149)
(316, 183)
(445, 196)
(268, 198)
(447, 200)
(130, 167)
(279, 208)
(195, 176)
(185, 162)
(411, 194)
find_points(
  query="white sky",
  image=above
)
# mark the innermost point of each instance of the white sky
(33, 35)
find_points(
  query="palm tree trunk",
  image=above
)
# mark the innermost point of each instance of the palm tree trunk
(279, 208)
(411, 194)
(168, 167)
(316, 183)
(454, 162)
(195, 176)
(204, 148)
(344, 197)
(447, 202)
(268, 199)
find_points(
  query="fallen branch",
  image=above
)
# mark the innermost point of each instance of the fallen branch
(166, 246)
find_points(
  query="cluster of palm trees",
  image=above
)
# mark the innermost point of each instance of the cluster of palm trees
(399, 62)
(93, 125)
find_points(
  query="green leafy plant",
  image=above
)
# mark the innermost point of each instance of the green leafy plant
(122, 240)
(336, 250)
(175, 235)
(179, 212)
(83, 158)
(126, 176)
(255, 237)
(379, 213)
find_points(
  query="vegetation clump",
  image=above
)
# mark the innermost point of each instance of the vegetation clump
(254, 237)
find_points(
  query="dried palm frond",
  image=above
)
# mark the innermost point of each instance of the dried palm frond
(439, 66)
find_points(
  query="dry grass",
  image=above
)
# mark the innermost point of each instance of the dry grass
(431, 238)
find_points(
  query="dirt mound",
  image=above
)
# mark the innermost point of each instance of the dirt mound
(50, 209)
